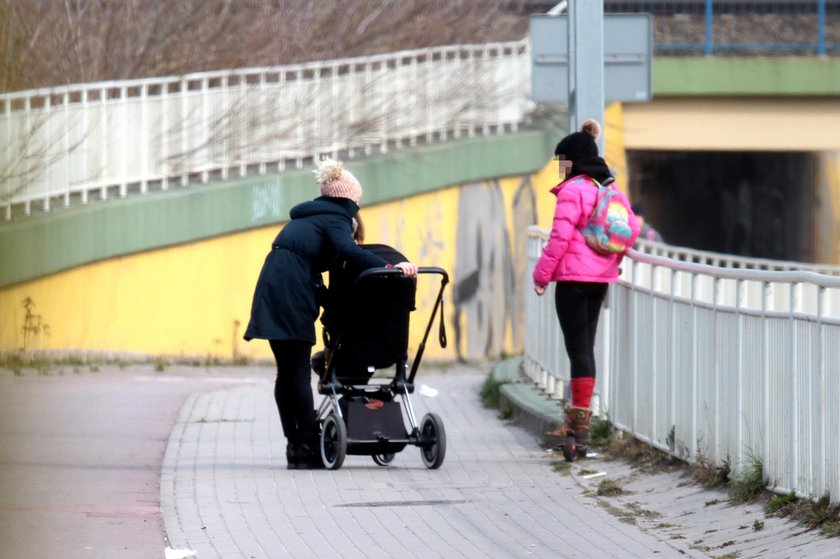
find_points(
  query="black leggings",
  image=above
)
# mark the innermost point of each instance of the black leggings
(293, 391)
(578, 306)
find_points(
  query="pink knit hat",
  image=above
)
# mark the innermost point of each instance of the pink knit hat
(337, 182)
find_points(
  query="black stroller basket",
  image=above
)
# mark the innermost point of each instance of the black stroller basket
(367, 330)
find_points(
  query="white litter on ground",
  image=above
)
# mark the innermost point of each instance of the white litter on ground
(428, 391)
(593, 476)
(170, 553)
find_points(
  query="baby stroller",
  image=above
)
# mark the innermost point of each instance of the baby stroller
(366, 326)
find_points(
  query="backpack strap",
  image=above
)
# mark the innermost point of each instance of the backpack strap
(608, 181)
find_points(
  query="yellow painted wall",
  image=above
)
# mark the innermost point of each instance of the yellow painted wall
(193, 301)
(827, 247)
(184, 301)
(179, 301)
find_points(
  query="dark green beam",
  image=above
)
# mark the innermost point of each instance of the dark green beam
(699, 76)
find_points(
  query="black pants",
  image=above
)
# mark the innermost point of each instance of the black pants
(578, 306)
(293, 391)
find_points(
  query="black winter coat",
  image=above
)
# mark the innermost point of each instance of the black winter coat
(288, 292)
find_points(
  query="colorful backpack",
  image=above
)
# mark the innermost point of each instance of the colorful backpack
(608, 229)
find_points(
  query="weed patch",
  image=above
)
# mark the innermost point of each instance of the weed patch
(490, 393)
(642, 455)
(505, 411)
(601, 431)
(709, 475)
(159, 363)
(623, 515)
(748, 483)
(820, 514)
(609, 488)
(561, 466)
(781, 505)
(642, 512)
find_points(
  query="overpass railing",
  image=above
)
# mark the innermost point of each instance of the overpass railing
(94, 141)
(720, 364)
(766, 27)
(731, 260)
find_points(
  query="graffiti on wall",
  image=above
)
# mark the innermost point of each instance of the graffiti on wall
(490, 268)
(267, 201)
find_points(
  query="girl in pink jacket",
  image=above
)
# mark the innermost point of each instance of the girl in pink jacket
(582, 275)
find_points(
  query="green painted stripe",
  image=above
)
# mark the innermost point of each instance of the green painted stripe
(738, 76)
(41, 245)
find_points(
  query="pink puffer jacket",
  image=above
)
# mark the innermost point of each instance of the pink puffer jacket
(566, 256)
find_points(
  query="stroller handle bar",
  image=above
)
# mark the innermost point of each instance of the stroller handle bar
(397, 271)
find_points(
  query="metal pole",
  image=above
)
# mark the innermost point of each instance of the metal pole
(821, 28)
(709, 37)
(586, 63)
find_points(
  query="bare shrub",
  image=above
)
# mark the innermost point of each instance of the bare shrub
(50, 42)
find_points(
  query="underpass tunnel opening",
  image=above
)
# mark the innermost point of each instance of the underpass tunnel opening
(753, 204)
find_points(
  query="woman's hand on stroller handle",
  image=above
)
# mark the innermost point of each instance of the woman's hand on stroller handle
(408, 269)
(394, 270)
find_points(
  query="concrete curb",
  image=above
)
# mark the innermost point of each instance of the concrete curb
(530, 407)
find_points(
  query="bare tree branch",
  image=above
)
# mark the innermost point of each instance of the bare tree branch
(92, 40)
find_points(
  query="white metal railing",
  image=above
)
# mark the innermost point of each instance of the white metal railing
(713, 363)
(730, 260)
(74, 143)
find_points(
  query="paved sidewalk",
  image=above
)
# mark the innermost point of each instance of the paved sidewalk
(225, 493)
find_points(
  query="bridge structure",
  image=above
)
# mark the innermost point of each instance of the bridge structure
(137, 213)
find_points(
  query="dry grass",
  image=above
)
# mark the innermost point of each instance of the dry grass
(748, 485)
(609, 488)
(710, 475)
(643, 456)
(820, 514)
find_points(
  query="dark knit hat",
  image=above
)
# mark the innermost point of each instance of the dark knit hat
(580, 145)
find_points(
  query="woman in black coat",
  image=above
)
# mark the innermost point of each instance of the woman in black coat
(286, 298)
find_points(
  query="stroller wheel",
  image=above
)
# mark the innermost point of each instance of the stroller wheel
(383, 459)
(333, 442)
(433, 450)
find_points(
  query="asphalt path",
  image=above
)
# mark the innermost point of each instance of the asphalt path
(80, 457)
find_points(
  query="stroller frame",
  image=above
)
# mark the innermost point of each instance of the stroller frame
(367, 419)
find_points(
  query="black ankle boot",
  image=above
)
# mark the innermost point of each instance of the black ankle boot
(303, 457)
(293, 456)
(309, 458)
